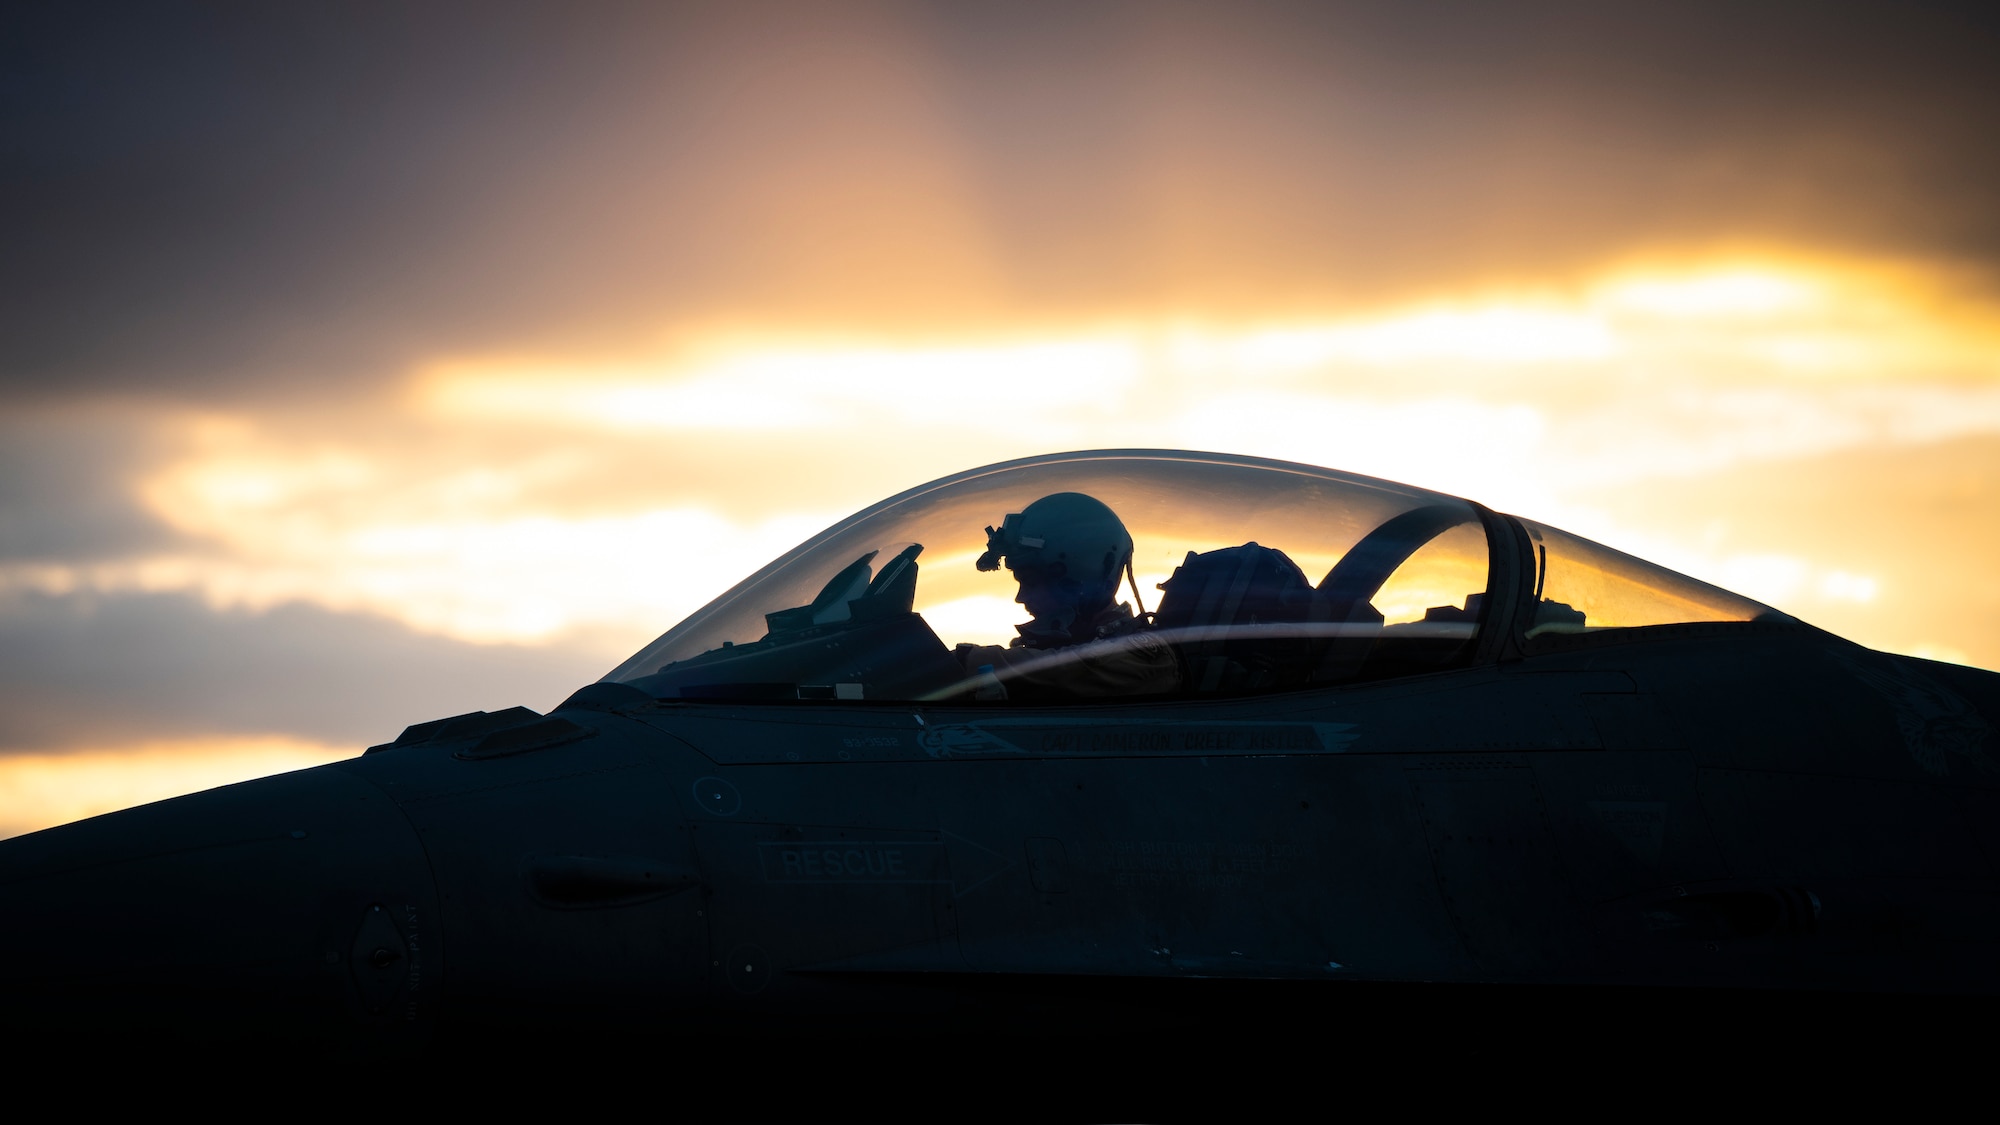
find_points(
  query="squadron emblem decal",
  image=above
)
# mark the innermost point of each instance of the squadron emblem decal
(1936, 723)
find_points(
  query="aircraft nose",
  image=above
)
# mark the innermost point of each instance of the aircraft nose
(293, 908)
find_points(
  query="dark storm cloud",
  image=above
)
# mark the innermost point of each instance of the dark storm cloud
(215, 200)
(95, 671)
(66, 487)
(1332, 144)
(200, 189)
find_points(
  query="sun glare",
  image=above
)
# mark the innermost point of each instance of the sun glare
(1726, 294)
(784, 389)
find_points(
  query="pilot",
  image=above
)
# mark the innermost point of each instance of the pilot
(1069, 553)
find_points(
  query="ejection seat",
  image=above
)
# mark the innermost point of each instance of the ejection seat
(1245, 619)
(1233, 617)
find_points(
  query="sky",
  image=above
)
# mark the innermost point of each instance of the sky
(364, 364)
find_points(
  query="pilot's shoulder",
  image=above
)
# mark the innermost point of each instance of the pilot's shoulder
(1134, 638)
(971, 656)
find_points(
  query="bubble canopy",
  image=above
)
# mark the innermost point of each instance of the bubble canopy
(1246, 575)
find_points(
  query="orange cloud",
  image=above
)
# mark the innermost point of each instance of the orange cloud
(521, 500)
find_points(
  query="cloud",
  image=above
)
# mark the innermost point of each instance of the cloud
(41, 790)
(254, 203)
(363, 365)
(88, 670)
(1892, 546)
(519, 498)
(68, 485)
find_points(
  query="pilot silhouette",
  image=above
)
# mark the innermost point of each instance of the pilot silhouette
(1069, 552)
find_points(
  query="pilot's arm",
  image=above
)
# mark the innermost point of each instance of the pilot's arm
(1135, 663)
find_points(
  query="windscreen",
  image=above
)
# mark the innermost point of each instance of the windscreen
(1242, 576)
(1583, 586)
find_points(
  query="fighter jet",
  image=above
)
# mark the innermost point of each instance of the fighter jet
(1089, 725)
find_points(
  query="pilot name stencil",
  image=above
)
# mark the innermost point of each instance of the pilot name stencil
(904, 861)
(1192, 865)
(1004, 737)
(854, 861)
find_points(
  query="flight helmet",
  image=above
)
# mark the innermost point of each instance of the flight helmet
(1067, 541)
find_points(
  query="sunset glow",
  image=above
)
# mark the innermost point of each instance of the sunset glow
(41, 790)
(1504, 403)
(446, 370)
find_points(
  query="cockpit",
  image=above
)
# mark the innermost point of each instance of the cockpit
(1152, 575)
